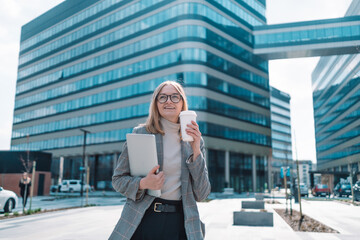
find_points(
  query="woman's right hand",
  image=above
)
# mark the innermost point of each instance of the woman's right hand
(153, 181)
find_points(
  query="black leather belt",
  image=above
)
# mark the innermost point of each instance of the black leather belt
(162, 207)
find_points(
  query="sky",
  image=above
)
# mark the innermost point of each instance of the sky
(292, 75)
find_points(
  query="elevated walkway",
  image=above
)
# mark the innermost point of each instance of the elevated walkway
(308, 39)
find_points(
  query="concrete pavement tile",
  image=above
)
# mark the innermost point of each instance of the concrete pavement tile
(218, 217)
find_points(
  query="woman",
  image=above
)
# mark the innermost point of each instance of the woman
(24, 184)
(182, 178)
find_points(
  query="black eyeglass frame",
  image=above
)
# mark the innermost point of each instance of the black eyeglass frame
(167, 97)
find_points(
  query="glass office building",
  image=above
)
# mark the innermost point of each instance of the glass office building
(280, 134)
(336, 96)
(93, 65)
(305, 166)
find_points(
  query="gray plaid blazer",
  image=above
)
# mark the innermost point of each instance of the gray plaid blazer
(195, 186)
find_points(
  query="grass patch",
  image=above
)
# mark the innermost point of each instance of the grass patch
(39, 211)
(89, 205)
(32, 211)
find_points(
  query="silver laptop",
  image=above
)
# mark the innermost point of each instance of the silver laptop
(142, 156)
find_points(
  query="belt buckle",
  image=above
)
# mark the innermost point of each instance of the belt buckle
(155, 205)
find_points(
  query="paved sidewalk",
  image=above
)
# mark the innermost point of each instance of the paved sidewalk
(98, 222)
(343, 217)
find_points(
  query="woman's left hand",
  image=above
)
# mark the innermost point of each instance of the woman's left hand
(193, 130)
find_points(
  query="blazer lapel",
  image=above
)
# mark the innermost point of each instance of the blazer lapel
(184, 170)
(160, 150)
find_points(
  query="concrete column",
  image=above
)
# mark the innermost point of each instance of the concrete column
(115, 157)
(268, 172)
(254, 172)
(61, 170)
(86, 161)
(227, 168)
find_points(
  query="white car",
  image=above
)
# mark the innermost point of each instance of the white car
(8, 200)
(304, 190)
(73, 185)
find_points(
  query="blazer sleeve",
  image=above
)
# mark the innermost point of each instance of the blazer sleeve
(123, 182)
(199, 174)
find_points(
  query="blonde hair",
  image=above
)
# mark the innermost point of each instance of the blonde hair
(153, 124)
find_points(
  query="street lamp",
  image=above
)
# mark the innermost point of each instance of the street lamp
(82, 169)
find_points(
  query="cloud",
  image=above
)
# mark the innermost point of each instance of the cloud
(293, 76)
(4, 31)
(10, 9)
(13, 14)
(304, 10)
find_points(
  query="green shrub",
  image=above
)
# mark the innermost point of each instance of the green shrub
(89, 205)
(32, 211)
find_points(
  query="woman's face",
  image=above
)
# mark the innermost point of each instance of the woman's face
(169, 110)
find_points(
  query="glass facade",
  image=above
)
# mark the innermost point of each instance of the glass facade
(241, 172)
(216, 170)
(310, 38)
(328, 30)
(337, 126)
(125, 32)
(280, 133)
(336, 97)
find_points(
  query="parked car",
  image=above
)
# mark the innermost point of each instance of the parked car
(304, 190)
(342, 189)
(73, 185)
(8, 200)
(321, 190)
(356, 189)
(55, 188)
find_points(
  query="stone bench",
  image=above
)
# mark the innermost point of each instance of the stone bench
(259, 197)
(252, 204)
(264, 219)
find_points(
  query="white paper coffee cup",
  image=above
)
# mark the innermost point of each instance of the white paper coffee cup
(185, 118)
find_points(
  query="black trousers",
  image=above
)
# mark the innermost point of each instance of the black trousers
(161, 225)
(24, 199)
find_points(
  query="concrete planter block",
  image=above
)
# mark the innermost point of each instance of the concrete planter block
(228, 191)
(259, 197)
(264, 219)
(252, 204)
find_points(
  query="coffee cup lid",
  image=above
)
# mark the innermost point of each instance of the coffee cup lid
(187, 113)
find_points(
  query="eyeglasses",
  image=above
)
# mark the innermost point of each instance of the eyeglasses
(175, 98)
